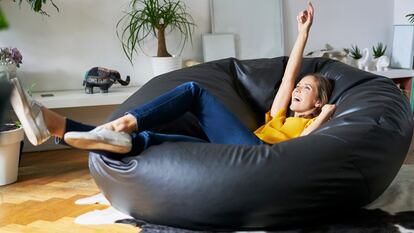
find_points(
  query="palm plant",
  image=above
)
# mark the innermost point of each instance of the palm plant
(410, 18)
(378, 50)
(355, 52)
(147, 18)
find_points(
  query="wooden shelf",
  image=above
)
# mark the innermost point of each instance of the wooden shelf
(78, 98)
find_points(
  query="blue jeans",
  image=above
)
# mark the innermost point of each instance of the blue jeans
(218, 123)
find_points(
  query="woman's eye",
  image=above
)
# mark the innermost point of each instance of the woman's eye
(307, 88)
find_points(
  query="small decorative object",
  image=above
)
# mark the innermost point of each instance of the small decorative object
(146, 18)
(380, 61)
(340, 54)
(363, 62)
(102, 78)
(10, 60)
(355, 55)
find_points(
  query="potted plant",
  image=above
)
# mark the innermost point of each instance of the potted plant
(10, 60)
(355, 54)
(380, 61)
(11, 144)
(152, 18)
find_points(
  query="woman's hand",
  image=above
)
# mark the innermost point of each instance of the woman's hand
(328, 110)
(305, 19)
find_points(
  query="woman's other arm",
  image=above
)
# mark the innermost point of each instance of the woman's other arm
(324, 116)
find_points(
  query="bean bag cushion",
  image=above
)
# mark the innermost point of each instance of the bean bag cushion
(343, 165)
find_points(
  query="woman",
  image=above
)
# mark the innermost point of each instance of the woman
(129, 134)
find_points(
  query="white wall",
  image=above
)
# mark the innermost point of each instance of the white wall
(401, 9)
(342, 23)
(58, 50)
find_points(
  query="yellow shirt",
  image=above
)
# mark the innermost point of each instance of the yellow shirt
(279, 128)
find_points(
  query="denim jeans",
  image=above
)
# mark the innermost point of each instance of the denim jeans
(218, 123)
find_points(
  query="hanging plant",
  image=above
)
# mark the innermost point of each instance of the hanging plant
(35, 5)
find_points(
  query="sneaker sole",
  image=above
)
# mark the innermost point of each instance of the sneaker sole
(90, 144)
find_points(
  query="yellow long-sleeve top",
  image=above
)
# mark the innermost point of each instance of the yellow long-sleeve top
(279, 128)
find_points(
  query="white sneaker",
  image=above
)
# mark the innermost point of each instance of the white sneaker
(29, 113)
(100, 138)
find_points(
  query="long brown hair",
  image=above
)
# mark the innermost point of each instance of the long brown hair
(325, 88)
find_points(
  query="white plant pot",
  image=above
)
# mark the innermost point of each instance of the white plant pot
(162, 65)
(9, 155)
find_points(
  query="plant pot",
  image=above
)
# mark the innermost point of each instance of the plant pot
(8, 70)
(10, 142)
(161, 65)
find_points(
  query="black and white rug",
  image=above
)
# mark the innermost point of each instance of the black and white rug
(392, 212)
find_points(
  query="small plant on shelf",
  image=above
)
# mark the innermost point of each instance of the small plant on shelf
(379, 50)
(355, 52)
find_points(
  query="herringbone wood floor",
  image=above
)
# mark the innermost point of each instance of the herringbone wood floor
(43, 198)
(49, 183)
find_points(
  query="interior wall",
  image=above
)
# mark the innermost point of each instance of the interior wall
(58, 50)
(401, 9)
(342, 23)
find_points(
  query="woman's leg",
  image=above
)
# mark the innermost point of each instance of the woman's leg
(219, 124)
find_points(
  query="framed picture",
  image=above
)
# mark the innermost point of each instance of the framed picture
(257, 26)
(403, 47)
(218, 46)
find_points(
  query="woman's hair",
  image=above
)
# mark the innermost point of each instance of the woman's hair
(325, 87)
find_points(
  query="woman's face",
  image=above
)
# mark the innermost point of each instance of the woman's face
(305, 95)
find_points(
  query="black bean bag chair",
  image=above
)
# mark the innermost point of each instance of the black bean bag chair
(342, 166)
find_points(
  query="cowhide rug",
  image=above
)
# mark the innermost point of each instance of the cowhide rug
(392, 212)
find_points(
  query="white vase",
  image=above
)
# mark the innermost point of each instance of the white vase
(8, 70)
(9, 155)
(162, 65)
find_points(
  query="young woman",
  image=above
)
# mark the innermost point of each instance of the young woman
(129, 134)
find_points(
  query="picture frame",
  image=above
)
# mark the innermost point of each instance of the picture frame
(218, 46)
(257, 26)
(403, 47)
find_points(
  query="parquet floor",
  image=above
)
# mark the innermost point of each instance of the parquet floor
(43, 198)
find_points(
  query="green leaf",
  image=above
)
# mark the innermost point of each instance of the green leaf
(3, 21)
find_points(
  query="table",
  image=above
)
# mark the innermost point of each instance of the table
(403, 79)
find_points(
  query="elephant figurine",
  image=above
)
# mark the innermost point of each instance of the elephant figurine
(102, 78)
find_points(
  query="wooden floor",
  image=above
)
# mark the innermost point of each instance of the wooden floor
(43, 198)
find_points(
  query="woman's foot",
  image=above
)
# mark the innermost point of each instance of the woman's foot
(126, 124)
(100, 138)
(29, 113)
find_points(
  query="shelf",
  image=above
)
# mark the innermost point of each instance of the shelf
(78, 98)
(395, 73)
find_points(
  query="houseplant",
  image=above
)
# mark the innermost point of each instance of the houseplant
(380, 61)
(355, 54)
(410, 18)
(35, 5)
(11, 133)
(152, 18)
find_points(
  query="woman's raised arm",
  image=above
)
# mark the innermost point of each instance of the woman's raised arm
(284, 94)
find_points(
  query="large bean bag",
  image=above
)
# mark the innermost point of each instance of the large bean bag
(342, 166)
